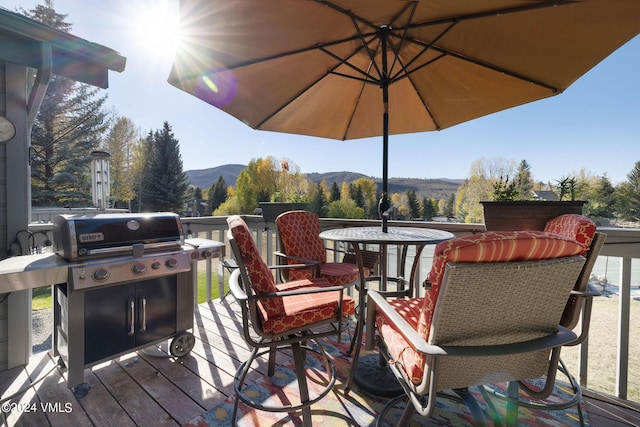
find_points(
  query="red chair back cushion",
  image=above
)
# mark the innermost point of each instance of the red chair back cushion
(493, 246)
(262, 281)
(299, 233)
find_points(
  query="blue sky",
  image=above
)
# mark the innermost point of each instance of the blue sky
(594, 125)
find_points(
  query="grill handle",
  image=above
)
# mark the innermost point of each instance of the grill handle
(144, 315)
(132, 306)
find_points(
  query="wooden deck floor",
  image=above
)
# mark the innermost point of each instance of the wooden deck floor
(143, 389)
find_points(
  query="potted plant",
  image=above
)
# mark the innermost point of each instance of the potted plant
(507, 211)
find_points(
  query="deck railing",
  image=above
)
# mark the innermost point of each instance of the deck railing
(621, 243)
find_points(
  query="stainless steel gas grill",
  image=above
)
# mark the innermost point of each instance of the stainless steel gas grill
(128, 285)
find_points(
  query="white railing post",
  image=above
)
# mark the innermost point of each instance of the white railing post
(622, 371)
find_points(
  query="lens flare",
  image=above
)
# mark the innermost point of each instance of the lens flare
(217, 87)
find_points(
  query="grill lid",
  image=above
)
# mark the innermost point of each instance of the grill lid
(101, 235)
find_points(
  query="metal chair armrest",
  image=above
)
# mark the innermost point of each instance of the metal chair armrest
(234, 286)
(416, 341)
(313, 265)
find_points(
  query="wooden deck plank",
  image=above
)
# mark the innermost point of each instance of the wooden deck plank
(171, 398)
(197, 387)
(23, 402)
(101, 406)
(607, 411)
(142, 389)
(56, 400)
(142, 409)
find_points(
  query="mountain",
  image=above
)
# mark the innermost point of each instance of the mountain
(440, 188)
(203, 178)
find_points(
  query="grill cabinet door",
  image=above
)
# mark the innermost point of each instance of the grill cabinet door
(107, 313)
(156, 314)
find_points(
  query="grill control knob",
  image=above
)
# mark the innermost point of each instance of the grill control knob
(100, 274)
(171, 263)
(139, 268)
(207, 254)
(156, 265)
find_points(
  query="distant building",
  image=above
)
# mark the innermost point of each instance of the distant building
(547, 195)
(196, 208)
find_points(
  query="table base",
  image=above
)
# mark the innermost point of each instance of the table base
(376, 379)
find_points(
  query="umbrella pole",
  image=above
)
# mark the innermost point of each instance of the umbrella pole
(383, 205)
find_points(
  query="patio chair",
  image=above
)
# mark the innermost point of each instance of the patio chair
(577, 309)
(298, 232)
(490, 315)
(282, 316)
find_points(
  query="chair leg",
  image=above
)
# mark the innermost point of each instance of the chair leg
(298, 358)
(271, 367)
(354, 359)
(513, 390)
(407, 414)
(239, 382)
(474, 407)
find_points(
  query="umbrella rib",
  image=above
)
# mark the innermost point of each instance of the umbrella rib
(395, 50)
(404, 71)
(368, 77)
(518, 9)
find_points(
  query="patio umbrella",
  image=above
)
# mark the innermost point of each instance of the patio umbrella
(346, 69)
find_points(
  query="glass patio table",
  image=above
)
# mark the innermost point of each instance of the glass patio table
(370, 372)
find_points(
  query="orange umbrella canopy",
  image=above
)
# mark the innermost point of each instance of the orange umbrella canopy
(316, 67)
(346, 69)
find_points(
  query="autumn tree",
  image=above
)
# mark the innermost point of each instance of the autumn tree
(265, 180)
(484, 173)
(121, 143)
(140, 168)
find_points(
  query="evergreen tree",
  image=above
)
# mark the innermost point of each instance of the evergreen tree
(449, 207)
(217, 195)
(68, 127)
(318, 202)
(412, 203)
(628, 200)
(524, 181)
(601, 198)
(167, 182)
(428, 208)
(335, 192)
(356, 194)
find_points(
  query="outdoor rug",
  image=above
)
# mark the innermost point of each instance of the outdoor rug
(358, 408)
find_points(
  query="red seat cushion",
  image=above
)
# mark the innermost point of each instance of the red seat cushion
(302, 310)
(494, 246)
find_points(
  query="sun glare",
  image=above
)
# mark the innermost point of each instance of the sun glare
(157, 27)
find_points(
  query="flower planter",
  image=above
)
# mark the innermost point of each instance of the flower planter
(526, 214)
(271, 210)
